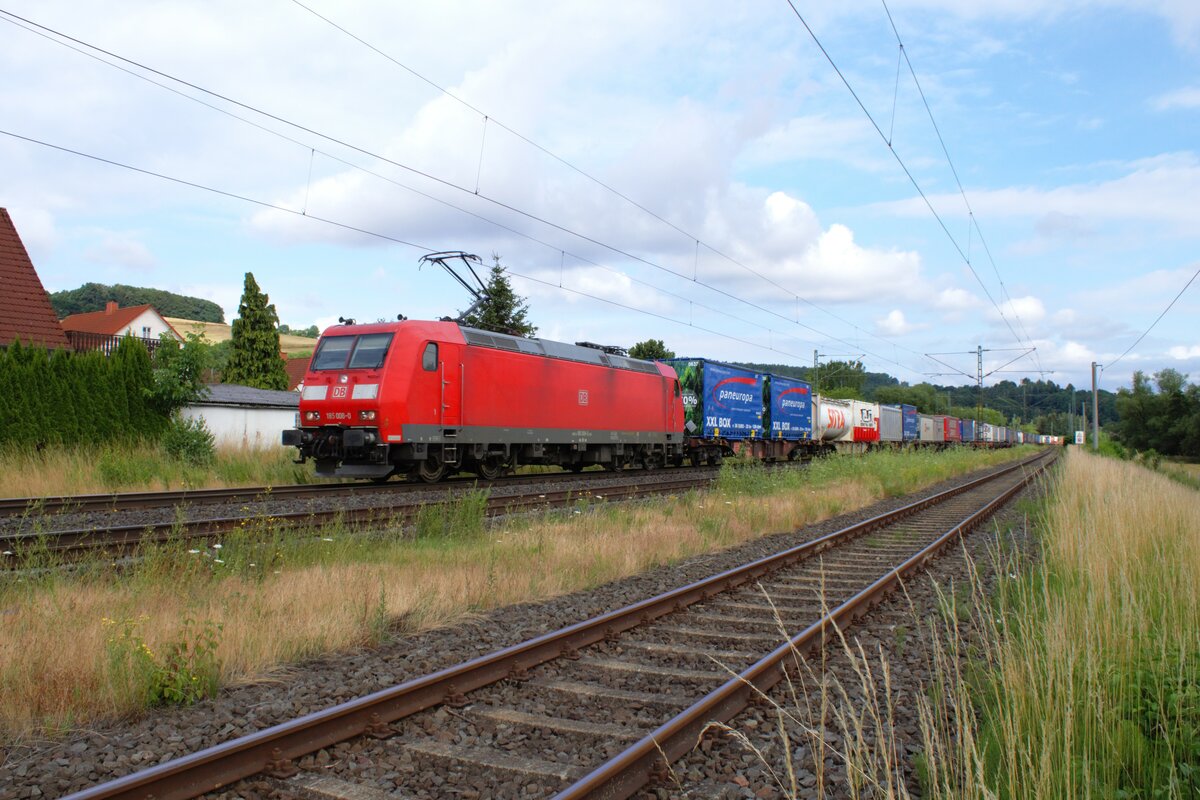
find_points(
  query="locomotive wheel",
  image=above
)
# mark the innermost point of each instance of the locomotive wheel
(431, 470)
(489, 469)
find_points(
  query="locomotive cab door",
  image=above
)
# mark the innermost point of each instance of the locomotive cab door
(450, 369)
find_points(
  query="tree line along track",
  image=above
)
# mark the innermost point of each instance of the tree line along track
(617, 708)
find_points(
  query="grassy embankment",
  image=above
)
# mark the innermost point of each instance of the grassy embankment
(79, 646)
(1082, 677)
(1078, 677)
(123, 467)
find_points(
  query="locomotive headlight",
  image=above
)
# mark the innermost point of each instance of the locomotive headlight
(312, 416)
(366, 416)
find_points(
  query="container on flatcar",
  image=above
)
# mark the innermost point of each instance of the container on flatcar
(866, 425)
(834, 420)
(969, 430)
(912, 428)
(891, 424)
(931, 428)
(720, 401)
(899, 423)
(789, 412)
(950, 429)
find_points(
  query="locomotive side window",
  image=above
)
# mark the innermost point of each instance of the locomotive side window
(677, 388)
(371, 350)
(429, 359)
(332, 352)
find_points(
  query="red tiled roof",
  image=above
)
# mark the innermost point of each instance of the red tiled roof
(296, 367)
(25, 311)
(104, 322)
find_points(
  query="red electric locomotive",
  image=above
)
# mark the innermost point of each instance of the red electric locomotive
(427, 399)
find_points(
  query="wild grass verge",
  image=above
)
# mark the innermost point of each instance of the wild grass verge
(1080, 678)
(265, 597)
(140, 467)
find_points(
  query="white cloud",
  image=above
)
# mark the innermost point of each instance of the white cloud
(122, 250)
(1029, 310)
(1152, 190)
(1184, 352)
(894, 324)
(1186, 98)
(36, 228)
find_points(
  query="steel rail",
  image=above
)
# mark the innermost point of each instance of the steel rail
(273, 749)
(648, 759)
(127, 536)
(119, 501)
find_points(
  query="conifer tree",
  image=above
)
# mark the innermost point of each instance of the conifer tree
(254, 359)
(68, 402)
(504, 311)
(137, 377)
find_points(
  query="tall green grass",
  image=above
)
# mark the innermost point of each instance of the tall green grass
(140, 466)
(1083, 679)
(893, 472)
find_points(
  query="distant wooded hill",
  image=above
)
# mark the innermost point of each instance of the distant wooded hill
(95, 296)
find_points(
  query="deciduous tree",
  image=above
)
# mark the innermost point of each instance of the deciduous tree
(650, 350)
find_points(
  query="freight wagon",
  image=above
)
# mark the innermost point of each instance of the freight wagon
(953, 433)
(723, 407)
(932, 429)
(899, 424)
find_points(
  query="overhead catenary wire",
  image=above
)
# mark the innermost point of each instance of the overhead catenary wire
(488, 118)
(425, 248)
(1171, 304)
(973, 220)
(15, 19)
(904, 167)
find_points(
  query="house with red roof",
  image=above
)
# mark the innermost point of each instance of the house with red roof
(102, 330)
(25, 310)
(296, 369)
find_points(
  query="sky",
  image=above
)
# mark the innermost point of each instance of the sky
(745, 181)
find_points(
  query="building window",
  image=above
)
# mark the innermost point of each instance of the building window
(145, 331)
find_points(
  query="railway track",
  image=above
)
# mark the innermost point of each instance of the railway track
(125, 501)
(390, 509)
(600, 708)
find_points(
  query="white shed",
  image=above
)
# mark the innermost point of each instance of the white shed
(244, 417)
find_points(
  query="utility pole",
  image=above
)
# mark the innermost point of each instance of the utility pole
(979, 382)
(1095, 411)
(815, 383)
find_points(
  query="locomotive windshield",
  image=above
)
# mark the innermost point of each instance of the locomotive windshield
(365, 351)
